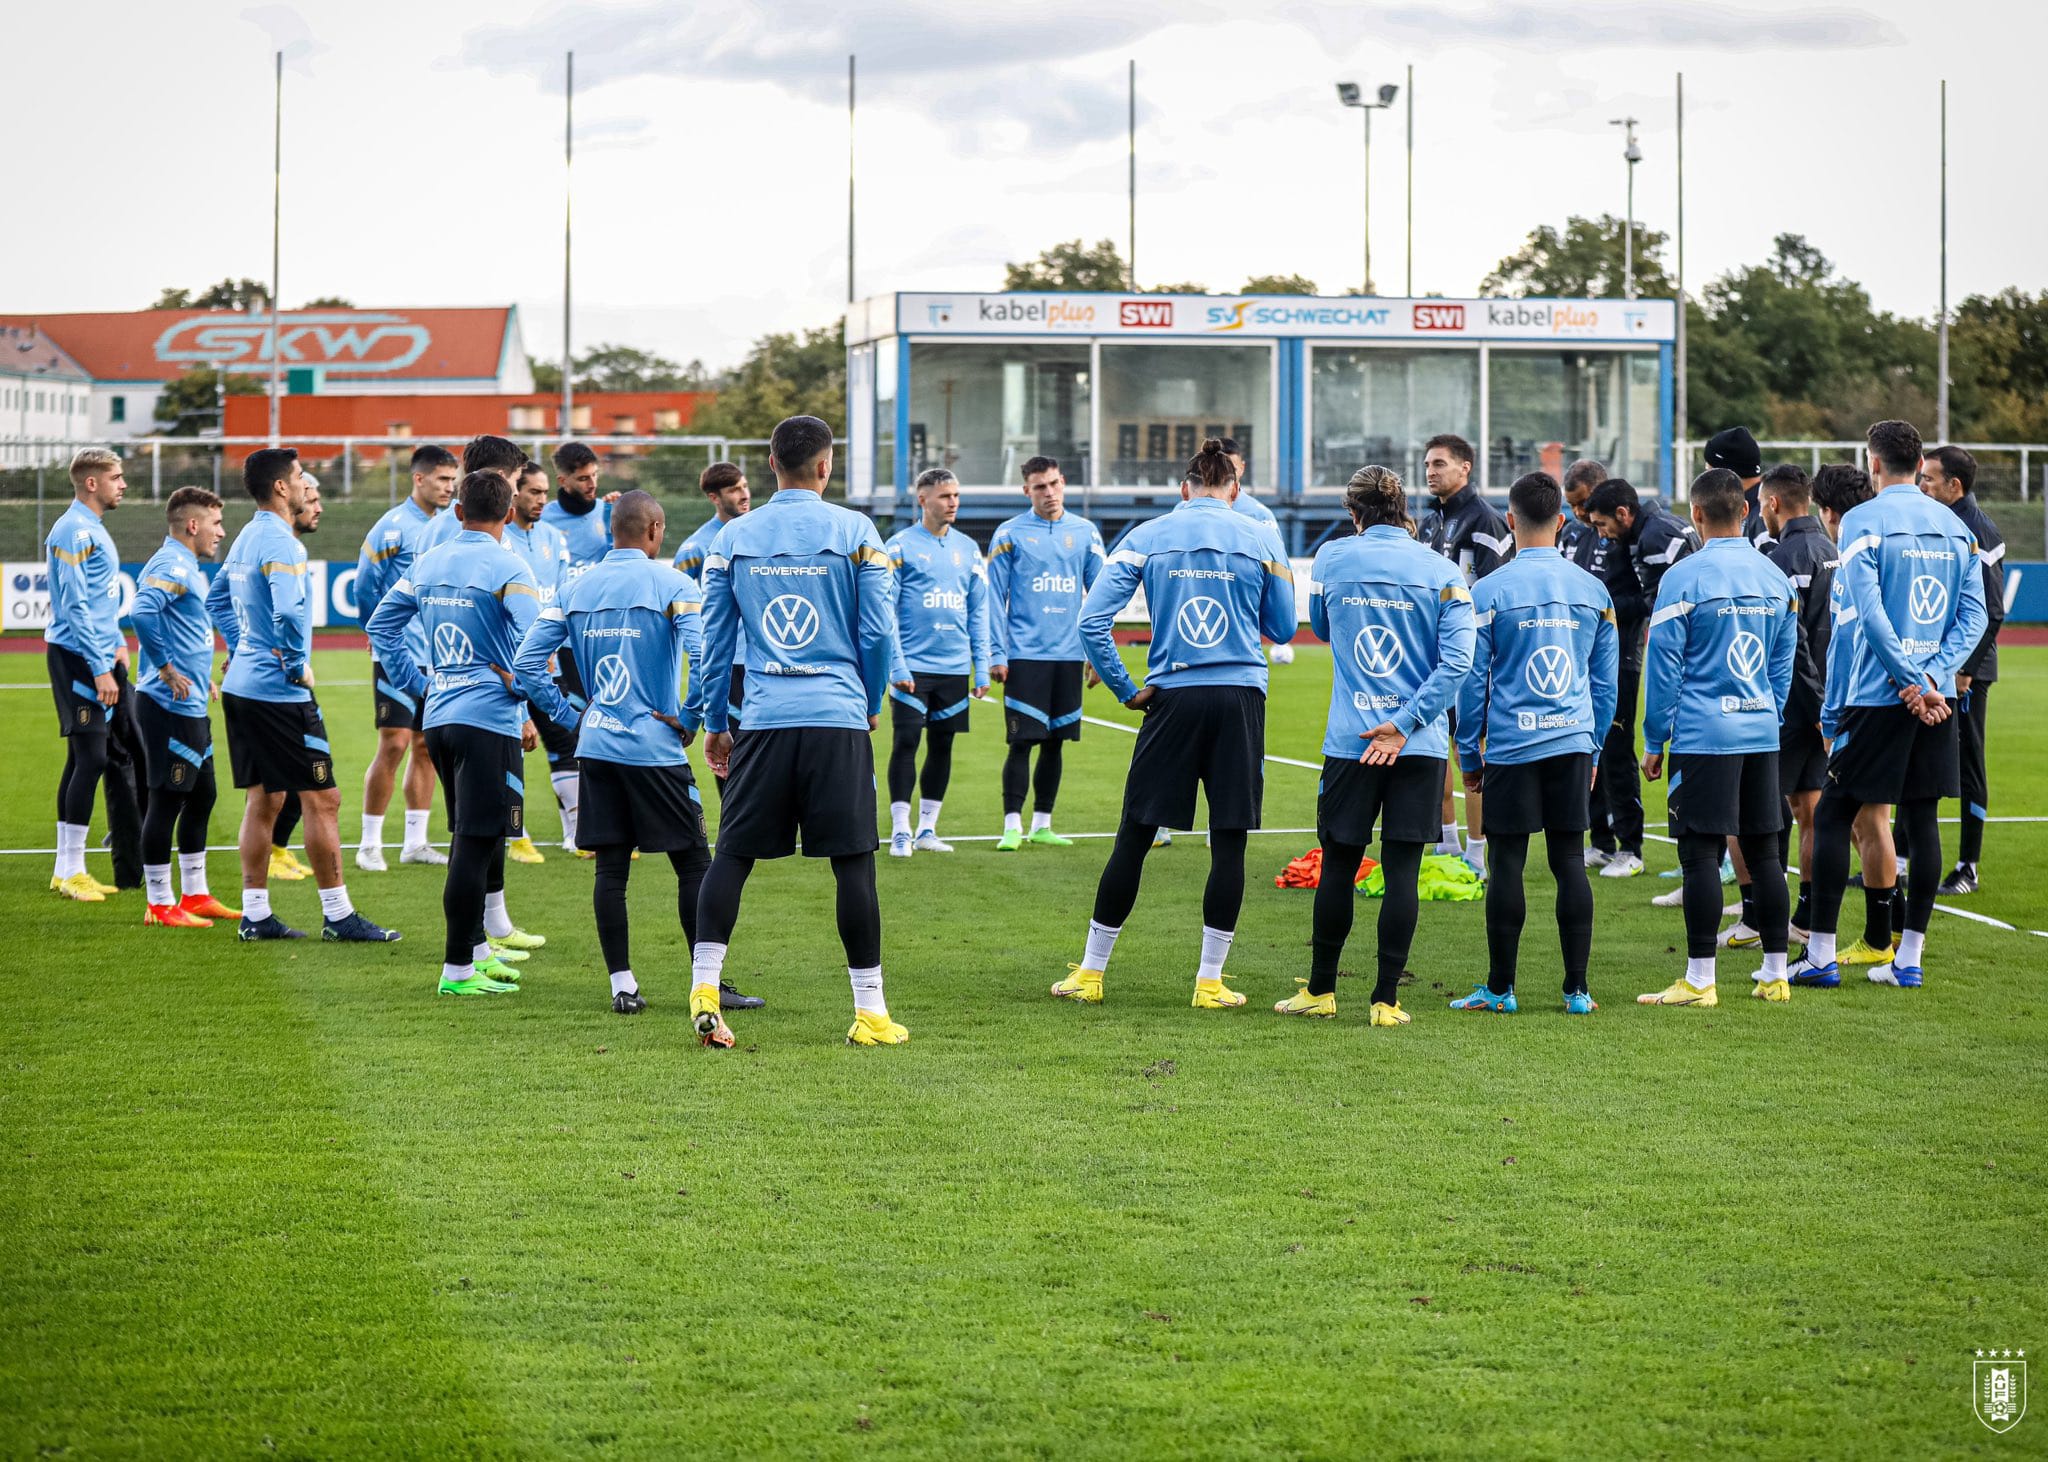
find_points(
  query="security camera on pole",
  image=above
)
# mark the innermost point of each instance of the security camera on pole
(1633, 155)
(1350, 95)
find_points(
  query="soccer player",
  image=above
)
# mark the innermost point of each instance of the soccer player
(386, 557)
(940, 663)
(1736, 450)
(812, 581)
(1580, 542)
(1649, 541)
(1909, 611)
(1947, 475)
(1398, 620)
(277, 741)
(176, 636)
(1244, 502)
(1530, 716)
(546, 553)
(1719, 665)
(1804, 553)
(577, 513)
(476, 603)
(87, 657)
(1041, 564)
(1215, 580)
(726, 486)
(1469, 531)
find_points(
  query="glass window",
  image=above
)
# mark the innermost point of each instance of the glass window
(1380, 405)
(885, 416)
(1548, 407)
(1160, 401)
(982, 410)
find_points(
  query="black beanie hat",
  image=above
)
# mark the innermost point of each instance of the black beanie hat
(1736, 450)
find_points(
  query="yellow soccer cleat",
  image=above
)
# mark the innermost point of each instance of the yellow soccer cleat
(107, 890)
(1082, 985)
(1681, 992)
(704, 1015)
(1215, 995)
(517, 939)
(870, 1029)
(78, 886)
(1321, 1007)
(1860, 953)
(1775, 991)
(522, 850)
(1388, 1014)
(286, 868)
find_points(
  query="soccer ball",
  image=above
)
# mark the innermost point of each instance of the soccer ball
(1281, 654)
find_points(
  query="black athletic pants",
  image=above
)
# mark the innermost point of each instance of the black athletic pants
(1699, 860)
(1400, 906)
(111, 758)
(1045, 786)
(938, 763)
(859, 911)
(1920, 824)
(186, 812)
(608, 897)
(1507, 906)
(1222, 897)
(1617, 803)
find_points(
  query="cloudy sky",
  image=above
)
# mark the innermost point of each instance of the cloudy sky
(423, 146)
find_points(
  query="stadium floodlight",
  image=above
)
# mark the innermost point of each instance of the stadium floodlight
(1352, 95)
(1631, 154)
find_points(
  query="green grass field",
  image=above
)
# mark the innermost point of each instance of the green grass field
(256, 1202)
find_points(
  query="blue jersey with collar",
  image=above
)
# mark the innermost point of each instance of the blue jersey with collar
(85, 588)
(588, 535)
(258, 603)
(1545, 656)
(1214, 581)
(1909, 602)
(941, 587)
(1039, 571)
(1718, 664)
(810, 581)
(173, 627)
(1398, 619)
(632, 624)
(476, 602)
(388, 551)
(689, 560)
(1252, 508)
(545, 552)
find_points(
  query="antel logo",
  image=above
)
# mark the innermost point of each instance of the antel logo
(1549, 672)
(790, 622)
(1439, 317)
(1378, 651)
(1145, 314)
(1202, 622)
(451, 646)
(1927, 599)
(611, 680)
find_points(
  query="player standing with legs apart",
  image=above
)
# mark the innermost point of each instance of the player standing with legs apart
(547, 553)
(277, 741)
(1215, 580)
(1398, 620)
(941, 659)
(386, 557)
(176, 636)
(811, 581)
(1539, 698)
(1719, 665)
(1804, 553)
(1041, 565)
(1909, 610)
(476, 602)
(726, 486)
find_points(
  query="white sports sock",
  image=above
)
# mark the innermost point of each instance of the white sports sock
(1820, 948)
(707, 963)
(1040, 820)
(156, 878)
(416, 827)
(1911, 944)
(373, 830)
(568, 796)
(256, 904)
(1475, 850)
(458, 972)
(192, 874)
(1450, 834)
(899, 818)
(1699, 973)
(479, 953)
(1101, 943)
(334, 902)
(867, 990)
(1013, 822)
(1774, 967)
(928, 815)
(623, 983)
(70, 849)
(1215, 950)
(497, 923)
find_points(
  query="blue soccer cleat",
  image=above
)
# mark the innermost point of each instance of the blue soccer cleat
(1580, 1002)
(1807, 975)
(256, 931)
(1906, 977)
(1484, 999)
(355, 929)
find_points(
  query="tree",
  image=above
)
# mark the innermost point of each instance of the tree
(1278, 284)
(1583, 262)
(1998, 368)
(191, 403)
(1072, 266)
(229, 294)
(625, 368)
(783, 375)
(1186, 286)
(328, 302)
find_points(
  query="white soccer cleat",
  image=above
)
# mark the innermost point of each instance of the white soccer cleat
(929, 841)
(899, 845)
(1674, 899)
(1622, 865)
(1739, 936)
(423, 853)
(371, 859)
(1595, 858)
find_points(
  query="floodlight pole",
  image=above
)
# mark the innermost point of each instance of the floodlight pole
(1408, 248)
(1679, 394)
(1941, 365)
(568, 282)
(849, 180)
(276, 225)
(1131, 247)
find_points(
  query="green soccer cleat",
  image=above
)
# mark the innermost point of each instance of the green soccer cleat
(1011, 840)
(517, 939)
(496, 969)
(1045, 837)
(476, 984)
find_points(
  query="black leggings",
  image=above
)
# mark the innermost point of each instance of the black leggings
(186, 811)
(1016, 772)
(1507, 906)
(462, 896)
(1699, 859)
(1400, 905)
(1833, 827)
(608, 897)
(85, 765)
(860, 912)
(938, 761)
(1222, 897)
(287, 821)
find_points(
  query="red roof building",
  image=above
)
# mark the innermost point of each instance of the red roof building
(316, 424)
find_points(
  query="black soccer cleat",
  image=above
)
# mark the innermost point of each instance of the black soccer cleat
(1963, 880)
(269, 927)
(628, 1002)
(731, 999)
(355, 929)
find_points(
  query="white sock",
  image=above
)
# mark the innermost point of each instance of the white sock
(568, 796)
(1774, 967)
(458, 972)
(416, 827)
(623, 983)
(707, 963)
(1013, 822)
(1450, 834)
(1699, 973)
(256, 904)
(497, 923)
(1040, 820)
(867, 990)
(1475, 849)
(192, 874)
(1820, 948)
(480, 953)
(899, 819)
(334, 902)
(1101, 942)
(1215, 950)
(70, 849)
(373, 830)
(156, 878)
(1911, 943)
(928, 815)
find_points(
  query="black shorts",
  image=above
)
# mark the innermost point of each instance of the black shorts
(396, 711)
(280, 746)
(1042, 700)
(815, 780)
(1211, 734)
(1886, 754)
(1405, 799)
(736, 697)
(655, 809)
(481, 782)
(79, 711)
(932, 699)
(1734, 795)
(176, 750)
(557, 740)
(1549, 794)
(570, 679)
(1802, 759)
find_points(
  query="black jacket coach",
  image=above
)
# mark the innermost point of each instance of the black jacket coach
(1806, 556)
(1982, 663)
(1469, 531)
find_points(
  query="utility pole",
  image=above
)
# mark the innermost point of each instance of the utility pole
(849, 180)
(1131, 248)
(1679, 427)
(1941, 365)
(568, 192)
(1408, 248)
(276, 224)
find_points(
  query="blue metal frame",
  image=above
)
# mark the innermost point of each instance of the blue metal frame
(1667, 429)
(902, 420)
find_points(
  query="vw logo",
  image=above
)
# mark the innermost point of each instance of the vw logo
(1202, 622)
(790, 622)
(1378, 651)
(1745, 657)
(451, 646)
(1927, 599)
(610, 680)
(1549, 672)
